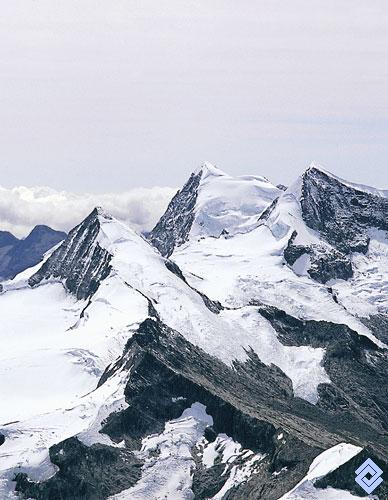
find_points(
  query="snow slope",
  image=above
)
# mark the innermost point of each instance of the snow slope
(251, 267)
(76, 340)
(212, 203)
(229, 204)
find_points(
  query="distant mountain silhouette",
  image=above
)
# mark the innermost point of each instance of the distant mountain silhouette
(17, 255)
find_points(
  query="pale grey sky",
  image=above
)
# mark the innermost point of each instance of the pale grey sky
(108, 95)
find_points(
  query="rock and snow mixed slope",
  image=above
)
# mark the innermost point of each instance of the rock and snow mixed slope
(330, 220)
(212, 203)
(295, 263)
(159, 372)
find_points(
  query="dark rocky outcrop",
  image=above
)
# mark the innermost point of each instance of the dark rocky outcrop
(292, 252)
(80, 262)
(355, 365)
(378, 325)
(341, 213)
(87, 473)
(18, 255)
(325, 263)
(213, 305)
(250, 402)
(173, 228)
(268, 211)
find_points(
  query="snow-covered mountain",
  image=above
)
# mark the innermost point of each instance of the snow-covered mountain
(331, 219)
(212, 203)
(225, 357)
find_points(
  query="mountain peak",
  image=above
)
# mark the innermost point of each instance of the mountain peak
(223, 205)
(342, 212)
(316, 171)
(18, 255)
(315, 166)
(98, 213)
(101, 212)
(80, 261)
(207, 169)
(7, 239)
(43, 230)
(341, 215)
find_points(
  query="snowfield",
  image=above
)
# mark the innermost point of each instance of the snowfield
(251, 267)
(229, 204)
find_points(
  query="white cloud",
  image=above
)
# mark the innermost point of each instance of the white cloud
(22, 208)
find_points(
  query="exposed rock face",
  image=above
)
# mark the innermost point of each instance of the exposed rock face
(355, 365)
(90, 473)
(342, 214)
(174, 226)
(251, 402)
(325, 264)
(329, 264)
(268, 211)
(17, 255)
(378, 324)
(80, 261)
(292, 252)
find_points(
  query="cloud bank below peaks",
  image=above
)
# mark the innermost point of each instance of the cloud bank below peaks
(22, 208)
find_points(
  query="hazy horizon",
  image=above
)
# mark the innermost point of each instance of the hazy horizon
(101, 97)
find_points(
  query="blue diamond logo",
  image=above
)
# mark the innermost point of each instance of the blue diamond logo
(368, 476)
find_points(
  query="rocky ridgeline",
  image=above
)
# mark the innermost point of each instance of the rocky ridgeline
(250, 402)
(174, 226)
(80, 262)
(343, 215)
